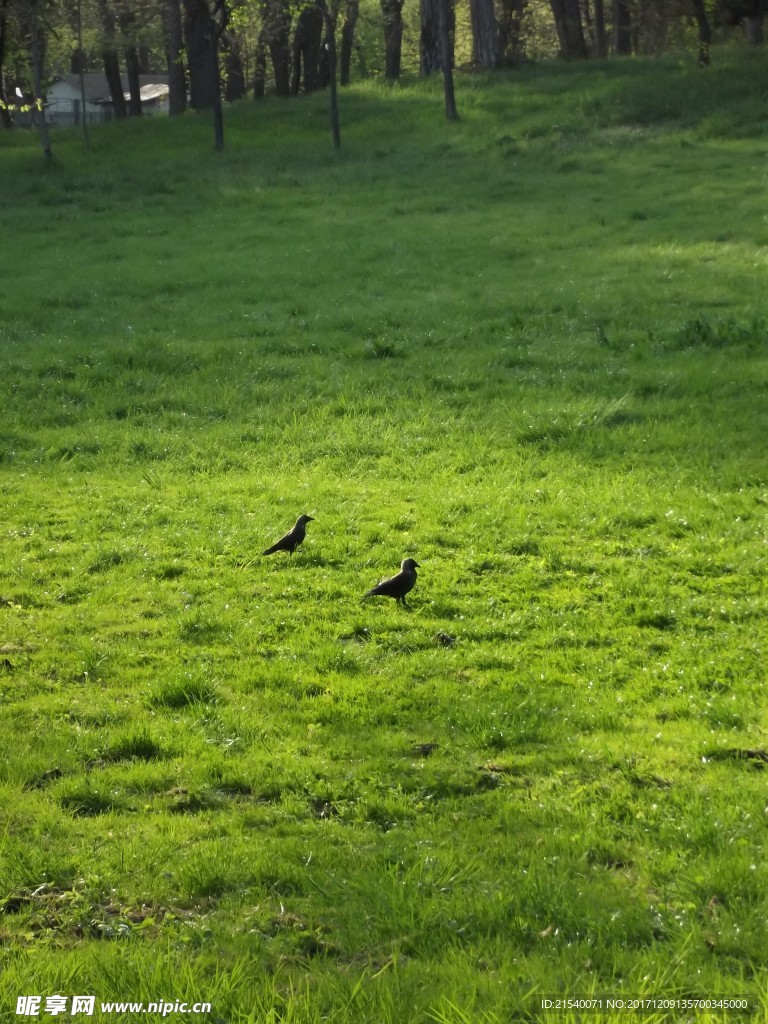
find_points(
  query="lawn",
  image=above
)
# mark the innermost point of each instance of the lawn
(528, 350)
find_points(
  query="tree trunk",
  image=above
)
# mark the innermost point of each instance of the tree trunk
(234, 88)
(111, 62)
(705, 32)
(511, 39)
(36, 48)
(351, 13)
(115, 84)
(81, 72)
(392, 10)
(446, 17)
(485, 34)
(601, 39)
(276, 35)
(127, 20)
(330, 18)
(173, 38)
(429, 39)
(218, 121)
(753, 29)
(5, 114)
(134, 81)
(622, 28)
(201, 43)
(260, 67)
(306, 49)
(570, 31)
(330, 36)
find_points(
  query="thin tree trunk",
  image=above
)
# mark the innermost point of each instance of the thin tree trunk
(217, 30)
(330, 35)
(705, 32)
(601, 39)
(260, 70)
(127, 20)
(134, 81)
(445, 14)
(36, 53)
(173, 37)
(218, 122)
(5, 114)
(351, 13)
(111, 62)
(81, 62)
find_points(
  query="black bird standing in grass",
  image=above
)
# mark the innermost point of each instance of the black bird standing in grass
(397, 586)
(293, 538)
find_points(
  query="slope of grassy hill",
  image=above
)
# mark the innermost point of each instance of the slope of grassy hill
(529, 350)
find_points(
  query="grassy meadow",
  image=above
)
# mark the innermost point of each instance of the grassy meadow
(527, 349)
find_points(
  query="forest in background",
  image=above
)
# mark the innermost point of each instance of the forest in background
(228, 49)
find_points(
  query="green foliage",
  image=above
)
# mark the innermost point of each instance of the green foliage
(529, 350)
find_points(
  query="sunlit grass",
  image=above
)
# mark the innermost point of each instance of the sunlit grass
(528, 350)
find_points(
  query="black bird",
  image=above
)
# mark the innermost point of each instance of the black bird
(397, 586)
(293, 538)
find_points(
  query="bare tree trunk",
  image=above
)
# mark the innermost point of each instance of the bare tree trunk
(753, 29)
(392, 10)
(36, 53)
(234, 87)
(446, 16)
(126, 18)
(601, 39)
(330, 35)
(330, 18)
(173, 37)
(485, 34)
(511, 40)
(570, 31)
(622, 28)
(351, 13)
(306, 49)
(705, 32)
(134, 81)
(260, 69)
(200, 38)
(5, 114)
(275, 35)
(80, 71)
(429, 38)
(111, 62)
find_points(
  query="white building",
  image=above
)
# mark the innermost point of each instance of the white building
(64, 103)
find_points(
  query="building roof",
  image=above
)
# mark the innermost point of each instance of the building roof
(97, 90)
(154, 91)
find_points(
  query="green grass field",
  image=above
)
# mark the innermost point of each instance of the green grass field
(529, 350)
